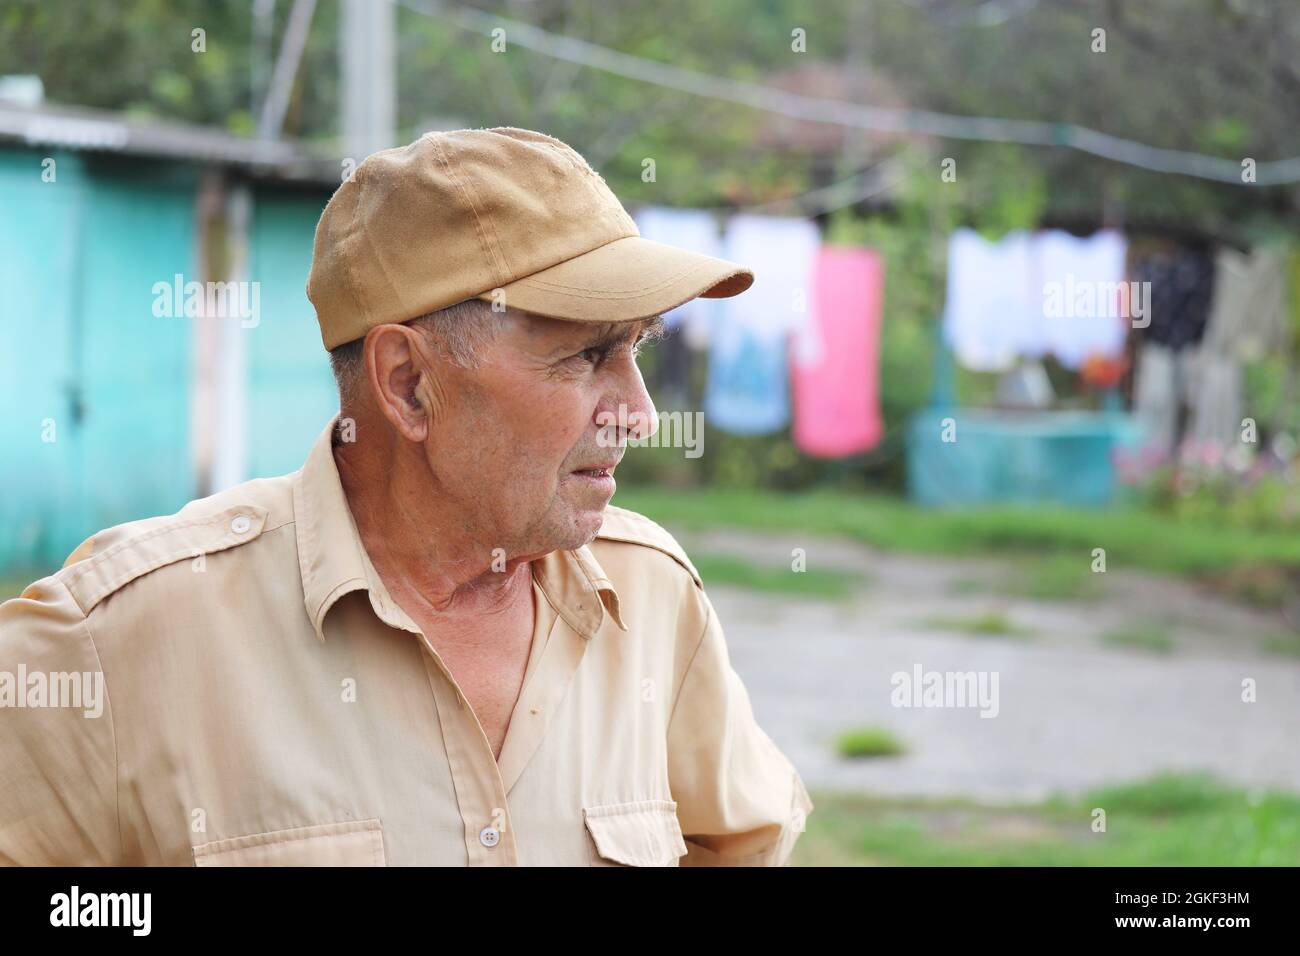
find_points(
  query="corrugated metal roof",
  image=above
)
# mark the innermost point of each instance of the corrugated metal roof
(82, 128)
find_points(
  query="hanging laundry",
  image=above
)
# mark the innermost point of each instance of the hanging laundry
(747, 392)
(696, 231)
(1182, 288)
(748, 388)
(1247, 313)
(1082, 300)
(781, 252)
(836, 385)
(990, 317)
(1157, 398)
(1247, 322)
(1213, 390)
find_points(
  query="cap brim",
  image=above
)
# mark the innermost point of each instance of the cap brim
(627, 279)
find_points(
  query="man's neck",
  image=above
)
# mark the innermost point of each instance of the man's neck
(430, 564)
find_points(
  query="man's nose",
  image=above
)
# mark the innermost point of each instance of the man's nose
(628, 406)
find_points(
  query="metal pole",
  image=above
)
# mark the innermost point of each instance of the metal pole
(368, 89)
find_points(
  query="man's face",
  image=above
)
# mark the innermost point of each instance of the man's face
(526, 434)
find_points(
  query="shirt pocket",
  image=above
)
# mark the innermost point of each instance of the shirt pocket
(354, 843)
(640, 833)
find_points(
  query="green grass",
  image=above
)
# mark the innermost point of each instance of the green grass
(1261, 584)
(986, 623)
(1286, 643)
(1056, 577)
(1046, 577)
(1165, 821)
(1145, 635)
(868, 742)
(1131, 537)
(778, 579)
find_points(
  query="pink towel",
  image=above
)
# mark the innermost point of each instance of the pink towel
(836, 370)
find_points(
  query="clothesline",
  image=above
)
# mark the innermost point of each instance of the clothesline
(805, 336)
(802, 346)
(865, 184)
(855, 115)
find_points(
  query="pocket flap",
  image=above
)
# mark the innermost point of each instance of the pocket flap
(354, 843)
(641, 833)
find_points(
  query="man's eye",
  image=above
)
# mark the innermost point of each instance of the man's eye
(593, 355)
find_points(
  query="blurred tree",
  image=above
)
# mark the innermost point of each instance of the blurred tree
(1214, 76)
(1205, 75)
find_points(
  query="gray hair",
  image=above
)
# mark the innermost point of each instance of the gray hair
(459, 332)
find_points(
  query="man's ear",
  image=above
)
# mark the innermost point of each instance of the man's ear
(430, 392)
(402, 379)
(427, 396)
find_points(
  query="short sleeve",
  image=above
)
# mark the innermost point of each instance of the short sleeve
(740, 802)
(58, 776)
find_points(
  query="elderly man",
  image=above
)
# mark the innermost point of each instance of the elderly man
(436, 643)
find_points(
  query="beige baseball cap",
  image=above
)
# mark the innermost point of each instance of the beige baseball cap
(506, 215)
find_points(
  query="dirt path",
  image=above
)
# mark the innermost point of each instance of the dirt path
(1073, 711)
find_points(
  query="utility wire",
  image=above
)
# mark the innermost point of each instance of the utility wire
(838, 112)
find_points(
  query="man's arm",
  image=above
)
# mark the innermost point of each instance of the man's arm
(58, 766)
(740, 802)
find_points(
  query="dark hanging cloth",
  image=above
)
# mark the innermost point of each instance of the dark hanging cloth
(674, 370)
(1182, 286)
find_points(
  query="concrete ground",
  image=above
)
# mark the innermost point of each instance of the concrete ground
(1074, 712)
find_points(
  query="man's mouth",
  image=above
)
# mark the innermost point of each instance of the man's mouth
(595, 472)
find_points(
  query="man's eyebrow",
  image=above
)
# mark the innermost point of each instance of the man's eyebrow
(612, 335)
(653, 329)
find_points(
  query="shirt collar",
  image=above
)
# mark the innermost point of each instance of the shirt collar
(333, 561)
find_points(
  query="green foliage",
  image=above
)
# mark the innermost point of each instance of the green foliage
(1238, 493)
(1184, 74)
(1181, 74)
(1002, 190)
(1270, 390)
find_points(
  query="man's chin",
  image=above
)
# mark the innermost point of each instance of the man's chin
(582, 527)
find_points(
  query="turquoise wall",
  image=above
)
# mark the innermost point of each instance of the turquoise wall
(291, 390)
(84, 355)
(83, 352)
(38, 251)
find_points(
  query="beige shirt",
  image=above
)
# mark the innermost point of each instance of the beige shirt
(264, 701)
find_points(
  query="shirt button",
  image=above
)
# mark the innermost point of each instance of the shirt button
(489, 836)
(240, 523)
